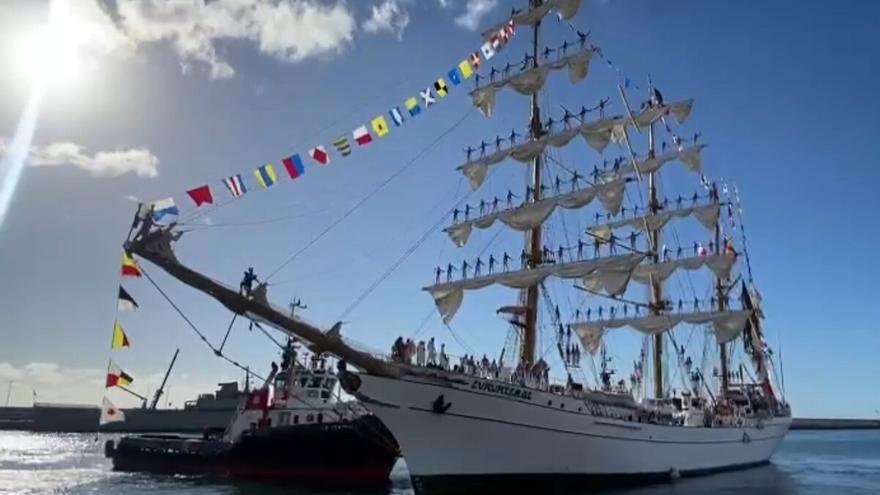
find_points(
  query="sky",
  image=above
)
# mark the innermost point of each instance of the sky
(148, 99)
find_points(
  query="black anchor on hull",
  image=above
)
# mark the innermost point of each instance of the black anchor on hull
(440, 405)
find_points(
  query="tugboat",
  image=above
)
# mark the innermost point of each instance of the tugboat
(293, 429)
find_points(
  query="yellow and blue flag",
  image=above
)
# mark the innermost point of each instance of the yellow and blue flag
(266, 175)
(412, 106)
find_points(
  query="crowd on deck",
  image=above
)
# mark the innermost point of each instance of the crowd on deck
(422, 353)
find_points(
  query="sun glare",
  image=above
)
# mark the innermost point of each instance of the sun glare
(50, 56)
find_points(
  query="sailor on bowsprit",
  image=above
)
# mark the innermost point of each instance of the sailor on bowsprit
(247, 282)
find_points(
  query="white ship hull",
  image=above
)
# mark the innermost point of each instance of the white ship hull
(501, 433)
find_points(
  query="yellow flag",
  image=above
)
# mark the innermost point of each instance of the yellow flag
(465, 68)
(380, 125)
(120, 340)
(130, 267)
(441, 88)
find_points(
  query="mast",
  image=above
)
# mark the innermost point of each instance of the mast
(656, 287)
(161, 389)
(533, 236)
(719, 293)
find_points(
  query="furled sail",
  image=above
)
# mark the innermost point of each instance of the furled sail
(707, 215)
(448, 296)
(726, 324)
(720, 265)
(530, 215)
(600, 138)
(476, 170)
(531, 80)
(689, 157)
(565, 8)
(591, 338)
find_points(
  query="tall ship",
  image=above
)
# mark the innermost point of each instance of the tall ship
(698, 400)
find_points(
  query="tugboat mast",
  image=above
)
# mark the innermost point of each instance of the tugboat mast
(533, 236)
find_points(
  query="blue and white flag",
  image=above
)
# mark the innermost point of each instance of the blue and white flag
(163, 208)
(396, 116)
(235, 186)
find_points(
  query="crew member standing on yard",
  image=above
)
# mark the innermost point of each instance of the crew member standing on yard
(247, 283)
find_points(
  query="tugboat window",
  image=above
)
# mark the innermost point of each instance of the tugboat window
(320, 418)
(296, 419)
(310, 418)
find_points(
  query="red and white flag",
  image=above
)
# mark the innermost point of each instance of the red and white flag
(362, 136)
(319, 154)
(110, 413)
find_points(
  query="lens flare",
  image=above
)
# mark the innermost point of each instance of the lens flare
(13, 162)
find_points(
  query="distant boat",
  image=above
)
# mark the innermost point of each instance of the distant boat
(207, 411)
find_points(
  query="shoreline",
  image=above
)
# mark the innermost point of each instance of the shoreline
(834, 424)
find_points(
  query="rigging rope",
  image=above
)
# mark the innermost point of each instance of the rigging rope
(217, 352)
(372, 193)
(199, 227)
(406, 254)
(268, 335)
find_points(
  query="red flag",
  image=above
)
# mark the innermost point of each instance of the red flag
(258, 400)
(201, 195)
(319, 154)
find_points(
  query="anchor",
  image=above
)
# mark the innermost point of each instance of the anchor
(440, 406)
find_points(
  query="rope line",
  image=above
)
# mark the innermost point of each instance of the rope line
(198, 332)
(406, 254)
(370, 195)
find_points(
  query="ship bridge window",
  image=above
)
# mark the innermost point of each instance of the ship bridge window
(310, 418)
(315, 382)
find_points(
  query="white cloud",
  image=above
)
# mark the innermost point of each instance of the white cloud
(139, 161)
(290, 30)
(474, 12)
(388, 16)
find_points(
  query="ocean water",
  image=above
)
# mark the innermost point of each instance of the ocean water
(808, 463)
